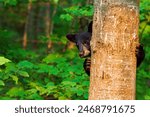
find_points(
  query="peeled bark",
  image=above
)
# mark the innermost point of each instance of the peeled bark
(113, 46)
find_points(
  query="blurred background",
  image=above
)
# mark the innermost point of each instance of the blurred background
(36, 59)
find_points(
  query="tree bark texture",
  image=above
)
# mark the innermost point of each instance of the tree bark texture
(113, 46)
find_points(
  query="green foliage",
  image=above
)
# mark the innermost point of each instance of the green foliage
(9, 2)
(66, 17)
(6, 41)
(143, 73)
(55, 77)
(77, 11)
(3, 60)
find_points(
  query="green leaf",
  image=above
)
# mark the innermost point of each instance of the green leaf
(62, 98)
(16, 92)
(68, 83)
(34, 96)
(3, 60)
(86, 95)
(43, 68)
(15, 78)
(147, 97)
(25, 64)
(53, 58)
(80, 92)
(85, 83)
(23, 73)
(11, 68)
(53, 70)
(10, 2)
(56, 1)
(66, 17)
(2, 83)
(50, 84)
(51, 89)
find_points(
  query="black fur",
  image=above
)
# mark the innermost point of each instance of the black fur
(87, 65)
(140, 54)
(82, 41)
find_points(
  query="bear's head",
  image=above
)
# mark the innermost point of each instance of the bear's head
(82, 41)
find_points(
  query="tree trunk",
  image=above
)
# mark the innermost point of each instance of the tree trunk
(113, 46)
(25, 35)
(47, 26)
(51, 24)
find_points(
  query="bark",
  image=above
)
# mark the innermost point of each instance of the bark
(25, 35)
(47, 26)
(113, 45)
(51, 25)
(31, 25)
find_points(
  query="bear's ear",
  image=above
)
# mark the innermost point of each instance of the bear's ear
(71, 37)
(90, 27)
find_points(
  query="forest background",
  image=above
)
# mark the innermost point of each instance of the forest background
(38, 62)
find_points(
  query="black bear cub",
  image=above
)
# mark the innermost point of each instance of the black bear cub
(82, 41)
